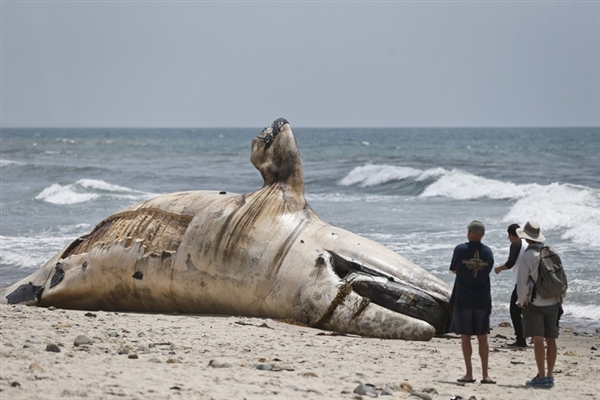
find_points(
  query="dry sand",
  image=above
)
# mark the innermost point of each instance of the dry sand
(156, 356)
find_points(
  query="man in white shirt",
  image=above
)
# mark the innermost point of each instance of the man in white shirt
(540, 316)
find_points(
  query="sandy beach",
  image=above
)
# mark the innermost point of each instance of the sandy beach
(55, 353)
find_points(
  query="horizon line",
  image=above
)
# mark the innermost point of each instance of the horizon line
(309, 127)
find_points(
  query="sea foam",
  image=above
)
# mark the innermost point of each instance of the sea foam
(5, 162)
(588, 312)
(68, 194)
(85, 190)
(572, 209)
(374, 175)
(461, 185)
(28, 252)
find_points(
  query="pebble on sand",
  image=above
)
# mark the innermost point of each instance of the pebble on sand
(219, 364)
(423, 396)
(53, 348)
(365, 390)
(36, 367)
(82, 340)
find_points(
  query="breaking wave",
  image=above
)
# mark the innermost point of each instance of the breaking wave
(375, 175)
(572, 209)
(5, 162)
(85, 190)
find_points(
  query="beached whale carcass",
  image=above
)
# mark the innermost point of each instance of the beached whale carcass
(261, 254)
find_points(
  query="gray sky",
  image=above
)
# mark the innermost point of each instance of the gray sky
(318, 64)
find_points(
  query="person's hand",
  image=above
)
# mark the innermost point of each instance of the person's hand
(498, 269)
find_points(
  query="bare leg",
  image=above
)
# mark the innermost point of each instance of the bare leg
(484, 351)
(551, 355)
(465, 341)
(540, 355)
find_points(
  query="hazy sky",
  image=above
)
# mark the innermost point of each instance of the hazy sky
(318, 64)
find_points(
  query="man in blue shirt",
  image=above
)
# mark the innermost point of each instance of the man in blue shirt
(471, 298)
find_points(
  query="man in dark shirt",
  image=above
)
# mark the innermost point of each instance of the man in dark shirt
(471, 298)
(517, 247)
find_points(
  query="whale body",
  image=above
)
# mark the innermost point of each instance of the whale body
(260, 254)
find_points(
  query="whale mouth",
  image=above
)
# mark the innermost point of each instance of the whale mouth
(270, 132)
(389, 292)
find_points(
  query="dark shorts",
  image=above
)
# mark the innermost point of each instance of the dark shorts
(470, 322)
(541, 321)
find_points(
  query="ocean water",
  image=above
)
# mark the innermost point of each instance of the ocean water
(413, 190)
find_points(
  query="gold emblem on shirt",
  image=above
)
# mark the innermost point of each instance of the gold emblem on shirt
(475, 264)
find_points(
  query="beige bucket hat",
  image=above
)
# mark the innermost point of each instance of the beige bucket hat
(531, 231)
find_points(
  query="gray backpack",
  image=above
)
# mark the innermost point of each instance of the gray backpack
(552, 280)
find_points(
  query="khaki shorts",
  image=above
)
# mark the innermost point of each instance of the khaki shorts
(540, 321)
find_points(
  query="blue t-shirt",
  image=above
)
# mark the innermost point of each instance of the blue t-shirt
(473, 262)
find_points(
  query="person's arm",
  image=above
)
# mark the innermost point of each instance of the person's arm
(500, 269)
(453, 263)
(513, 254)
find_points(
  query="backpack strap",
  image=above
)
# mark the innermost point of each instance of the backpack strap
(530, 278)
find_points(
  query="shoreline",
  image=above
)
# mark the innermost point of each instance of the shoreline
(175, 356)
(579, 325)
